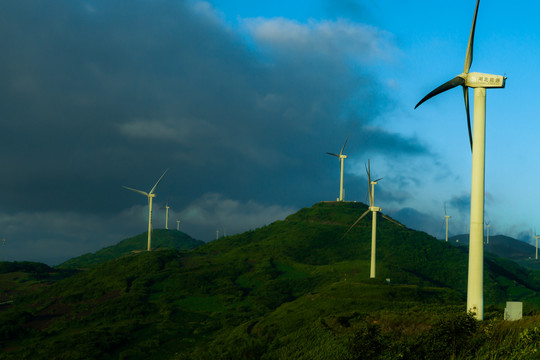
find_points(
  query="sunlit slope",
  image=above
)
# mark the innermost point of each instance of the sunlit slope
(161, 238)
(261, 292)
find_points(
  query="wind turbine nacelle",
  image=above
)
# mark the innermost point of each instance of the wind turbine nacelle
(374, 208)
(479, 80)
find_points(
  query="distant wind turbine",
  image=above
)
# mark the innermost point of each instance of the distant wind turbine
(341, 158)
(536, 236)
(150, 195)
(480, 82)
(487, 228)
(374, 210)
(167, 207)
(217, 234)
(446, 217)
(177, 225)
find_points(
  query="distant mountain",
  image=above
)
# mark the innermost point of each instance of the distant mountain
(294, 289)
(505, 247)
(161, 239)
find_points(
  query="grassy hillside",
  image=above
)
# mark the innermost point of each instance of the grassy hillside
(161, 238)
(293, 289)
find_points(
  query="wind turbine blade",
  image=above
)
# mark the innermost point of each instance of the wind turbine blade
(135, 190)
(152, 191)
(356, 222)
(445, 209)
(392, 220)
(368, 171)
(343, 148)
(469, 55)
(458, 80)
(336, 155)
(378, 179)
(466, 98)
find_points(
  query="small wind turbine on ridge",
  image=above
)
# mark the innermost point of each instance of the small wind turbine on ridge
(487, 230)
(177, 225)
(341, 158)
(167, 207)
(446, 217)
(536, 236)
(374, 210)
(480, 82)
(150, 195)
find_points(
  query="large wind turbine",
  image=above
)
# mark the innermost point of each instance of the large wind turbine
(341, 158)
(150, 196)
(480, 82)
(374, 210)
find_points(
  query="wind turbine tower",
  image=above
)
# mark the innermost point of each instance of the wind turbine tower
(167, 207)
(487, 238)
(177, 225)
(480, 82)
(150, 196)
(341, 158)
(446, 217)
(536, 237)
(374, 210)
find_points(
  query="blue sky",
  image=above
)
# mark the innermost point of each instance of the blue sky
(242, 101)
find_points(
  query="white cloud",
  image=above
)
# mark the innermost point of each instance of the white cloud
(359, 42)
(214, 211)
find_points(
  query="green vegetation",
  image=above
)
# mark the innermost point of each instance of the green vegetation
(293, 289)
(161, 238)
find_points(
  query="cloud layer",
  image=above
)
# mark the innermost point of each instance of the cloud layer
(96, 95)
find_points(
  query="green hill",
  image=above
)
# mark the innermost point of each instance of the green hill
(161, 238)
(505, 247)
(293, 289)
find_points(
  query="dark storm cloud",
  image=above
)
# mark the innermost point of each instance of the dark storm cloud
(95, 95)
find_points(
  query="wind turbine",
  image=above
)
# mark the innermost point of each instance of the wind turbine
(487, 238)
(150, 196)
(177, 225)
(341, 158)
(167, 207)
(536, 237)
(446, 217)
(374, 210)
(480, 82)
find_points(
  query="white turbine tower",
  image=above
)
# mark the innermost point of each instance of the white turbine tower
(536, 236)
(374, 210)
(341, 158)
(167, 207)
(446, 217)
(177, 225)
(487, 228)
(480, 82)
(150, 195)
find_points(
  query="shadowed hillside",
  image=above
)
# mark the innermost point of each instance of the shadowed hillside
(505, 247)
(161, 238)
(296, 288)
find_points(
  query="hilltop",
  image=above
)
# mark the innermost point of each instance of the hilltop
(295, 288)
(161, 239)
